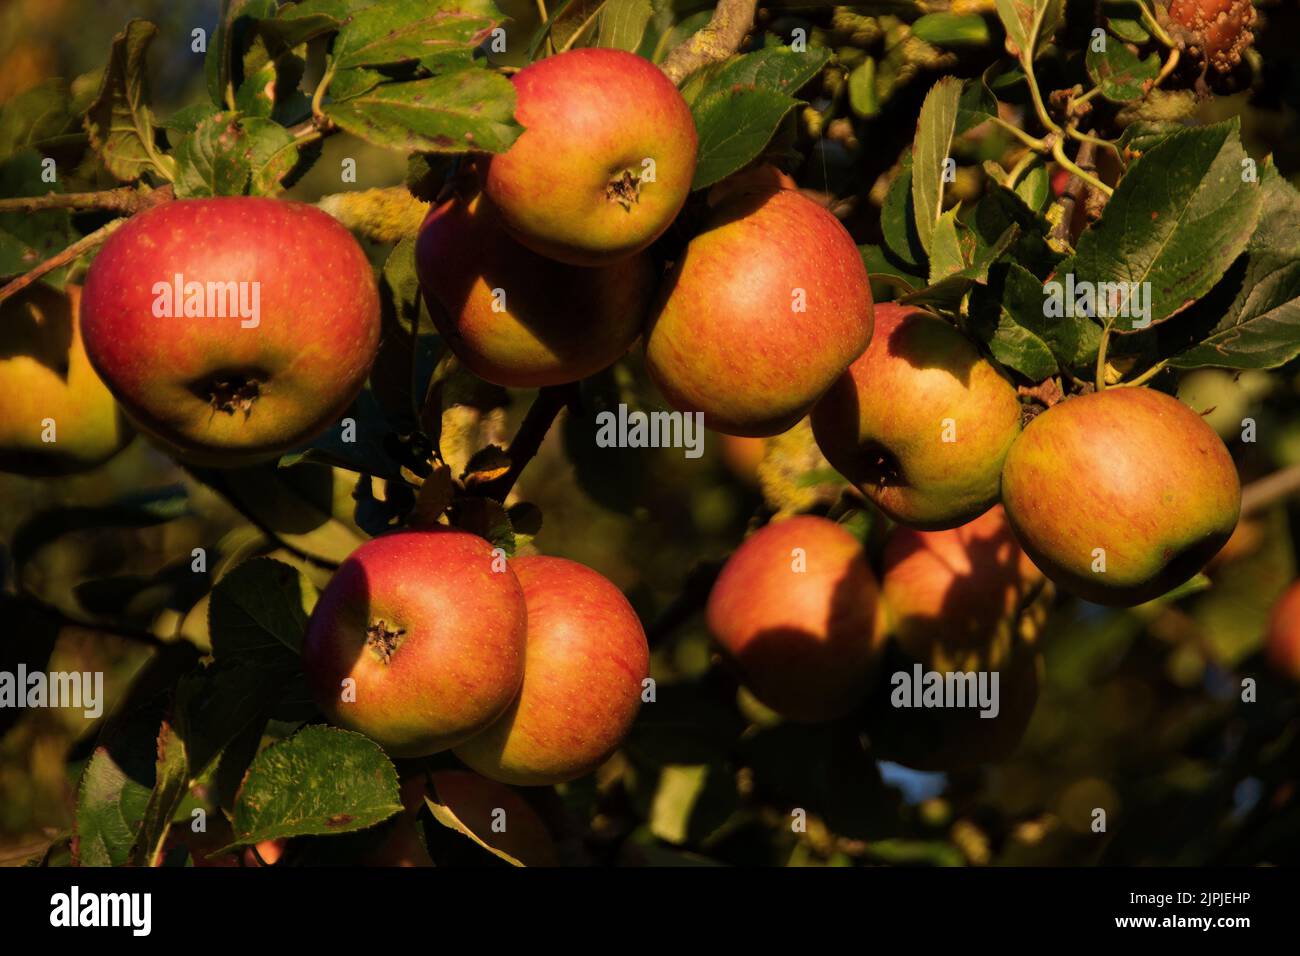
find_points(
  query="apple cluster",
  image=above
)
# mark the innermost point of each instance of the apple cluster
(540, 272)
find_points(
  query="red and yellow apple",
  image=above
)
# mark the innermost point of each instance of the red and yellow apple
(516, 318)
(761, 314)
(1120, 495)
(232, 329)
(605, 161)
(583, 673)
(417, 641)
(920, 423)
(795, 610)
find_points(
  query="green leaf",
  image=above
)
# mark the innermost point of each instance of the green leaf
(111, 802)
(35, 115)
(623, 23)
(237, 24)
(898, 223)
(401, 31)
(1260, 326)
(296, 23)
(468, 111)
(210, 160)
(29, 238)
(977, 105)
(399, 288)
(1179, 217)
(349, 83)
(946, 254)
(119, 121)
(320, 781)
(488, 519)
(739, 108)
(1029, 24)
(1119, 73)
(952, 29)
(862, 89)
(171, 783)
(930, 154)
(259, 611)
(1124, 19)
(881, 267)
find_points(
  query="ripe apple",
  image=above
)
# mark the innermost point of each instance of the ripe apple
(496, 815)
(430, 626)
(1217, 31)
(46, 378)
(519, 319)
(605, 161)
(764, 310)
(1282, 644)
(270, 340)
(1120, 495)
(920, 423)
(586, 659)
(795, 609)
(953, 597)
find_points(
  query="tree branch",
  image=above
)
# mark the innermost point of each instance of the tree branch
(528, 440)
(126, 200)
(74, 251)
(1258, 495)
(720, 37)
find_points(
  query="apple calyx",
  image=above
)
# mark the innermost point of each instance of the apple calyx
(624, 188)
(233, 393)
(384, 640)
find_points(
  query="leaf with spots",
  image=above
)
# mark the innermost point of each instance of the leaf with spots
(468, 111)
(401, 31)
(210, 160)
(230, 155)
(1181, 215)
(120, 122)
(259, 611)
(1119, 73)
(319, 781)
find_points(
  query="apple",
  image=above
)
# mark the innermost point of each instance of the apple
(761, 314)
(49, 389)
(953, 597)
(269, 340)
(516, 318)
(1217, 31)
(795, 610)
(920, 423)
(496, 815)
(1120, 495)
(605, 161)
(417, 641)
(583, 671)
(1282, 643)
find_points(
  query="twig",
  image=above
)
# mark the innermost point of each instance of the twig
(74, 251)
(528, 440)
(1071, 195)
(63, 619)
(126, 200)
(720, 37)
(1258, 495)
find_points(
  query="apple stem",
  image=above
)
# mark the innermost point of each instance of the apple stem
(528, 440)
